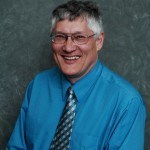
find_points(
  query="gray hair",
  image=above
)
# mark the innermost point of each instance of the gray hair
(74, 9)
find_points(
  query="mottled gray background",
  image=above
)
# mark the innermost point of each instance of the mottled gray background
(25, 50)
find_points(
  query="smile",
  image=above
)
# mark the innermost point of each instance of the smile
(71, 57)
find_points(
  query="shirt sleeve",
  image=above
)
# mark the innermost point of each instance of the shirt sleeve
(128, 131)
(17, 139)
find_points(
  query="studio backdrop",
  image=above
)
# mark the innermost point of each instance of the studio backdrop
(25, 50)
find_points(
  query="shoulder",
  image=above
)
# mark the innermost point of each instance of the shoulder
(118, 82)
(48, 75)
(121, 92)
(121, 88)
(45, 78)
(44, 81)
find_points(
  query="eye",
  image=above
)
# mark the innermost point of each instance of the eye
(80, 37)
(59, 36)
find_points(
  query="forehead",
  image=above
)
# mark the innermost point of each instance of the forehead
(77, 25)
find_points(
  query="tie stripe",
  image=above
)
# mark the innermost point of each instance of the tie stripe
(62, 136)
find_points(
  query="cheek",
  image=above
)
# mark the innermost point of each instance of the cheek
(89, 50)
(54, 47)
(54, 51)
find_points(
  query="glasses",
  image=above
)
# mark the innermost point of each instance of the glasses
(59, 38)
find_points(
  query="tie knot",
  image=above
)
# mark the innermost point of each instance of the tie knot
(70, 90)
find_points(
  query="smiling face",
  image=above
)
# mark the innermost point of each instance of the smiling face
(76, 60)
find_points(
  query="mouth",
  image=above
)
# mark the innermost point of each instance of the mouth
(71, 59)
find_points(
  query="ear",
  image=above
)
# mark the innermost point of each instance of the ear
(99, 41)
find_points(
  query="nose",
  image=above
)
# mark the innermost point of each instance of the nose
(69, 45)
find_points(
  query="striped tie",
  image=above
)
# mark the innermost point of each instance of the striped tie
(62, 136)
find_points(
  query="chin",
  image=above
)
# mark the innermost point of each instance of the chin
(71, 74)
(71, 71)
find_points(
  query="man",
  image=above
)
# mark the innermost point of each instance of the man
(103, 110)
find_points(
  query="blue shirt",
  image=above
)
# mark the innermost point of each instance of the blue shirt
(110, 114)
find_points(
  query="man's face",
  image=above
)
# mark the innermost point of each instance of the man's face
(76, 60)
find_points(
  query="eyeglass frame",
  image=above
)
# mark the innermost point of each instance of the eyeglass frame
(72, 37)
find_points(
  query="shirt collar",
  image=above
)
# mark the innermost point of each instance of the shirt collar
(65, 85)
(82, 86)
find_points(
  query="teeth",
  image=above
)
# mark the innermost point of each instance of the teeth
(72, 58)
